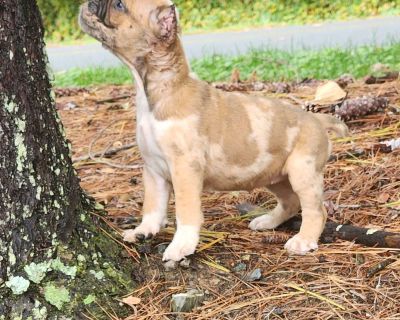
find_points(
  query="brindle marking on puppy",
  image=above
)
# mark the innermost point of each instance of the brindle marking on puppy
(194, 137)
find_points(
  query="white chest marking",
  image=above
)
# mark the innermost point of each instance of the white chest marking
(148, 137)
(155, 136)
(146, 132)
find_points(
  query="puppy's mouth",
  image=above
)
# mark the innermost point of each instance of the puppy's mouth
(92, 24)
(87, 20)
(95, 11)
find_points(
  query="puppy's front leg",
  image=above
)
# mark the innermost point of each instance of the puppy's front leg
(187, 180)
(156, 196)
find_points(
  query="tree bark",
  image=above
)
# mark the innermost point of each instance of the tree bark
(54, 261)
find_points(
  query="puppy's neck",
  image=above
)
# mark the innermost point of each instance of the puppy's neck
(158, 74)
(163, 71)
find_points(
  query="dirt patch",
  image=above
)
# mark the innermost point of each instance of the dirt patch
(341, 280)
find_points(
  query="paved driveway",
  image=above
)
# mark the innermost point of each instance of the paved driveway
(347, 33)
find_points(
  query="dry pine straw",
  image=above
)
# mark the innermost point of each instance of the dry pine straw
(332, 283)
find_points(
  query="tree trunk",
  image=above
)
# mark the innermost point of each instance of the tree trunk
(54, 260)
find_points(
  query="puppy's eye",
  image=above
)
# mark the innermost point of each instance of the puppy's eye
(119, 5)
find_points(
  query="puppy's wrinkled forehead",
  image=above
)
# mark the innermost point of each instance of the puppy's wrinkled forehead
(140, 9)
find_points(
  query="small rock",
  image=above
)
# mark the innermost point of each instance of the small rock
(240, 267)
(144, 248)
(185, 263)
(70, 106)
(245, 208)
(254, 275)
(186, 302)
(276, 311)
(66, 106)
(170, 265)
(246, 257)
(161, 248)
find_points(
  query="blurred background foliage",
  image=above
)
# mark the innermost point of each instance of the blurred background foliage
(60, 16)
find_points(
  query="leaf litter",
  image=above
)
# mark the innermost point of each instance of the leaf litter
(341, 280)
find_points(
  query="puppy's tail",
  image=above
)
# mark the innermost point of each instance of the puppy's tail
(331, 123)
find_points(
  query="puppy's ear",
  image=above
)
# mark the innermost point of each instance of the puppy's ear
(164, 22)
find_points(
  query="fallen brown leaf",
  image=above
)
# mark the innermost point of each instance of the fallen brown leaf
(132, 301)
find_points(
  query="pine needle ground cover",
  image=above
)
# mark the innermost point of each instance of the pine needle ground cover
(245, 274)
(269, 64)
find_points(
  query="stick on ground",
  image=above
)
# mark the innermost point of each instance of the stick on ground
(334, 231)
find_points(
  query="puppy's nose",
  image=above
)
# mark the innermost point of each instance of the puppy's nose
(98, 8)
(93, 6)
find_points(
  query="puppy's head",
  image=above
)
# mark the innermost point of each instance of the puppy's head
(131, 28)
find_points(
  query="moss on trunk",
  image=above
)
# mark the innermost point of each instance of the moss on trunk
(79, 277)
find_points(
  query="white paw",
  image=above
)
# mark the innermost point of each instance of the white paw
(265, 222)
(300, 246)
(184, 243)
(150, 226)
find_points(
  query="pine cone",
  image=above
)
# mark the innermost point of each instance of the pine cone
(354, 108)
(232, 87)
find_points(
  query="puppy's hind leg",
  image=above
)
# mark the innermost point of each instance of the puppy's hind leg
(156, 196)
(307, 181)
(287, 207)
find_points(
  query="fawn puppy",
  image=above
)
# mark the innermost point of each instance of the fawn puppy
(193, 137)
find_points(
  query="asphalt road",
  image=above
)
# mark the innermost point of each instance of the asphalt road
(333, 34)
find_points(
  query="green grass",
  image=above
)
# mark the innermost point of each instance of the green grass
(271, 65)
(61, 23)
(92, 76)
(238, 14)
